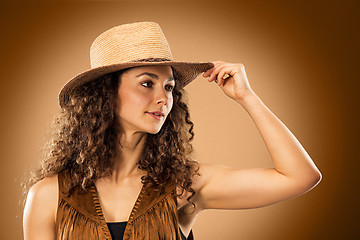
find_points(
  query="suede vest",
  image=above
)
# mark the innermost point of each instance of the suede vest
(79, 216)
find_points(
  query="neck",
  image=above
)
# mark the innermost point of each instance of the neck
(130, 150)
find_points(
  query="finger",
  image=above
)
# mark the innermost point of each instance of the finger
(215, 72)
(208, 72)
(223, 75)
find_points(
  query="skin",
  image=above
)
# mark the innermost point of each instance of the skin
(218, 187)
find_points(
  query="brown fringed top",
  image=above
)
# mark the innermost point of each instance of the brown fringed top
(79, 216)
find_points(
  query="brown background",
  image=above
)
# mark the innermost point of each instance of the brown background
(301, 58)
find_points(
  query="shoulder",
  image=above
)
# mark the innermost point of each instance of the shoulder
(207, 171)
(41, 204)
(42, 198)
(46, 190)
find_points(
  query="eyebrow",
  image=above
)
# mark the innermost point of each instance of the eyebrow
(152, 75)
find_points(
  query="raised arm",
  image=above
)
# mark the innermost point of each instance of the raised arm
(40, 210)
(294, 173)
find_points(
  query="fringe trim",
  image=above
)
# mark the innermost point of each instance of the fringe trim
(137, 204)
(158, 222)
(72, 225)
(97, 205)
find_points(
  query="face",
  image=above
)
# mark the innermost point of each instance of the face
(145, 98)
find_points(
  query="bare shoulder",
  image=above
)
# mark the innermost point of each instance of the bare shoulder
(186, 211)
(46, 184)
(45, 191)
(207, 171)
(40, 209)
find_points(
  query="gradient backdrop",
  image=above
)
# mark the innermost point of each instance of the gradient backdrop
(301, 58)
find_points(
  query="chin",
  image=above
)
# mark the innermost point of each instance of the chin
(154, 131)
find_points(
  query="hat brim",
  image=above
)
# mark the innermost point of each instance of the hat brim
(185, 72)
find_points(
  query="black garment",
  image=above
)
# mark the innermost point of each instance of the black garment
(117, 230)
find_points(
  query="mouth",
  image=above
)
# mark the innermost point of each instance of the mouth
(156, 115)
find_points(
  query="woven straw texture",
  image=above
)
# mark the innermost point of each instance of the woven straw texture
(132, 45)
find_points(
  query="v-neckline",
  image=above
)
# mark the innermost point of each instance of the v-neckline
(99, 211)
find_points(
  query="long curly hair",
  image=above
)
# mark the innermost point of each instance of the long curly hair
(87, 132)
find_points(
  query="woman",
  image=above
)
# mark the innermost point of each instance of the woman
(120, 167)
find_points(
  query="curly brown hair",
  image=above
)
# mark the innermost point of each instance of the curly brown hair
(87, 133)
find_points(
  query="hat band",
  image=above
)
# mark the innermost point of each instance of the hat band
(153, 60)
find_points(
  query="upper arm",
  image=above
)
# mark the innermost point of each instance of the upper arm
(40, 210)
(226, 188)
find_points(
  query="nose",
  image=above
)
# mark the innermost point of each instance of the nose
(161, 96)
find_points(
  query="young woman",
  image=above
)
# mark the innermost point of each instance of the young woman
(120, 166)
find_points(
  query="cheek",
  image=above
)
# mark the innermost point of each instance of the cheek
(170, 104)
(136, 100)
(132, 103)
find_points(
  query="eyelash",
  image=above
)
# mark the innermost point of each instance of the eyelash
(172, 87)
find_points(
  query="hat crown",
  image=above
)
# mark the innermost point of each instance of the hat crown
(128, 43)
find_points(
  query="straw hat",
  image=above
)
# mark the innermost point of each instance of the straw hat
(131, 45)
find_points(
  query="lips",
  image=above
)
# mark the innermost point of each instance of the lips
(156, 115)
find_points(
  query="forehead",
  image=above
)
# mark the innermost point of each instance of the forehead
(163, 71)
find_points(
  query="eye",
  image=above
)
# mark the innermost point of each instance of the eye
(169, 87)
(147, 84)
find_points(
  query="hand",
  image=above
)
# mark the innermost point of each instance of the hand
(231, 78)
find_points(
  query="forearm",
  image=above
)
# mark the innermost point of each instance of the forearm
(288, 155)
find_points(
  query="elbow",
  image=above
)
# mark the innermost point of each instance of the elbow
(312, 180)
(307, 181)
(316, 179)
